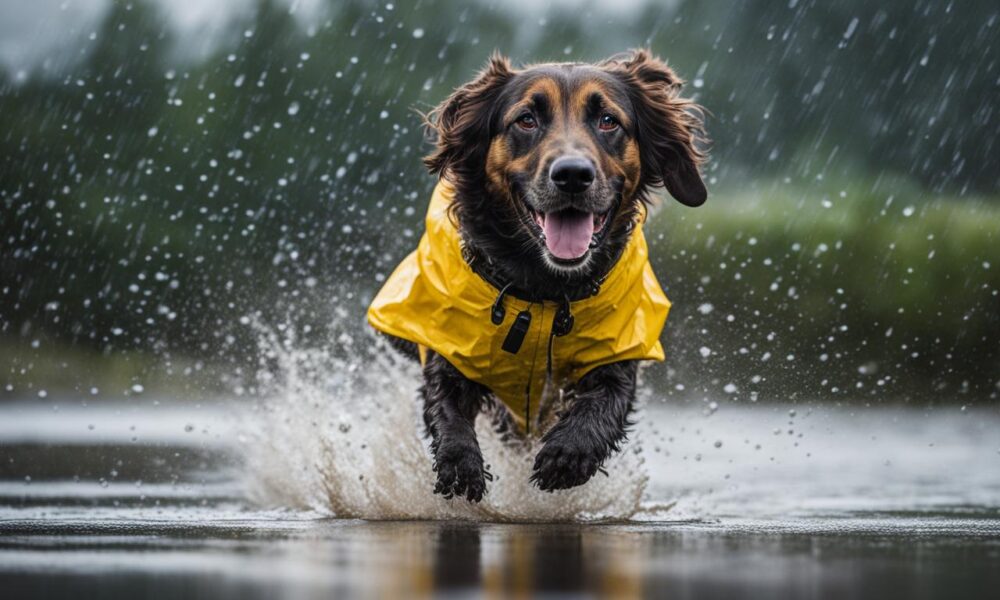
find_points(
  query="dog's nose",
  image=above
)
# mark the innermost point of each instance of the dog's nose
(572, 174)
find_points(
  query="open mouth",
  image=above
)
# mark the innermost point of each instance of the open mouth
(569, 233)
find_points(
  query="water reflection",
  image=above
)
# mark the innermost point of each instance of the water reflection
(504, 561)
(242, 554)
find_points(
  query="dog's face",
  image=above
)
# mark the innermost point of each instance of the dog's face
(552, 161)
(563, 156)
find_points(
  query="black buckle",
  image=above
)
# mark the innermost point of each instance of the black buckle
(562, 323)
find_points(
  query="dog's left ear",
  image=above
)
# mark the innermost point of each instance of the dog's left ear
(460, 126)
(668, 128)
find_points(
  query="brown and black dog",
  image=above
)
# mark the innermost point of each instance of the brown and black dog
(551, 164)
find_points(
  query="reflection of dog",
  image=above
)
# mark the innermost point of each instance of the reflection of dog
(532, 282)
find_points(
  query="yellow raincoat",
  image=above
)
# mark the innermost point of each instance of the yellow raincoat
(436, 300)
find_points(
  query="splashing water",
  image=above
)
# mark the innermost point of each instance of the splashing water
(339, 432)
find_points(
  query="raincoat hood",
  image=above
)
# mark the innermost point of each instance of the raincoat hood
(436, 300)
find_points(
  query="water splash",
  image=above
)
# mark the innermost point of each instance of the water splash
(338, 432)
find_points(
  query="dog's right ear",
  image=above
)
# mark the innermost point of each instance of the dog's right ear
(460, 126)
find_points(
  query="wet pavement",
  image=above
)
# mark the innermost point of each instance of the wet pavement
(150, 501)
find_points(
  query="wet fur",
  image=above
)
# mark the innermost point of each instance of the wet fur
(493, 168)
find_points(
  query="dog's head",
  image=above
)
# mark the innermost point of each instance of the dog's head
(552, 161)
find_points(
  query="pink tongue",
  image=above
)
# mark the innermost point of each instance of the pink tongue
(568, 233)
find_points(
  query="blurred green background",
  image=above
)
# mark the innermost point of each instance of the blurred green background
(163, 184)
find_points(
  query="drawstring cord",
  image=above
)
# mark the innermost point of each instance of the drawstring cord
(498, 312)
(562, 324)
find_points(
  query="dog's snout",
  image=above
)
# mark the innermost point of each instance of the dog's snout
(572, 174)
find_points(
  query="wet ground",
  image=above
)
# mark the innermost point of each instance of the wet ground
(149, 500)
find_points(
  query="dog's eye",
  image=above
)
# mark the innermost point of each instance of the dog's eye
(607, 123)
(526, 122)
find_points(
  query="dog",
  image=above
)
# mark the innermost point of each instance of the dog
(530, 296)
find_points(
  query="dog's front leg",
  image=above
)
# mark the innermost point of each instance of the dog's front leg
(451, 403)
(593, 427)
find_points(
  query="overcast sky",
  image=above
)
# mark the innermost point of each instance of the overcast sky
(35, 31)
(38, 30)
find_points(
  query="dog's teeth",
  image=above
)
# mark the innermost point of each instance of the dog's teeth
(598, 222)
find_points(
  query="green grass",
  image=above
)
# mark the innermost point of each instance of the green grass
(856, 283)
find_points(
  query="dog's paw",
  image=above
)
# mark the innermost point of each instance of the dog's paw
(565, 462)
(460, 472)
